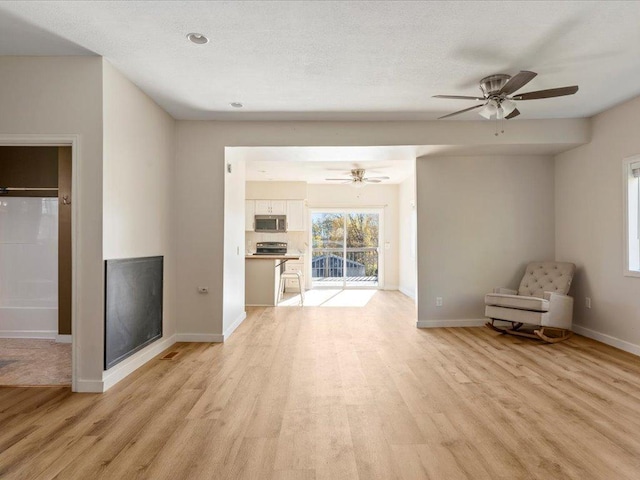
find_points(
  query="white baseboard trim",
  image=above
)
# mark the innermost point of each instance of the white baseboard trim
(200, 337)
(89, 386)
(39, 334)
(64, 338)
(131, 364)
(463, 322)
(234, 325)
(408, 292)
(607, 339)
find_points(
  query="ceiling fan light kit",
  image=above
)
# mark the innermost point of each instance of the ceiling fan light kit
(497, 95)
(489, 110)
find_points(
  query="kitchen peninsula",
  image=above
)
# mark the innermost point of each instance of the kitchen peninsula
(262, 277)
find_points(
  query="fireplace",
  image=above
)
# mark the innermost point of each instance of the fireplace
(133, 306)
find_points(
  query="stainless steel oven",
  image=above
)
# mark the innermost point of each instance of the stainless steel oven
(271, 248)
(270, 223)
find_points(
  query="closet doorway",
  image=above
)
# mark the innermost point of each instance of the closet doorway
(35, 266)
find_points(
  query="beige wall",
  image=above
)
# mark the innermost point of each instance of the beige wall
(383, 196)
(43, 96)
(200, 179)
(589, 227)
(480, 220)
(407, 233)
(138, 172)
(234, 206)
(199, 199)
(63, 95)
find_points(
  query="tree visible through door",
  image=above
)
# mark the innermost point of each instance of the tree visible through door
(345, 248)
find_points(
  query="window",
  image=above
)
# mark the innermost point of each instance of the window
(631, 176)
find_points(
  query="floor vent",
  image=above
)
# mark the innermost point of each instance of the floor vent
(169, 356)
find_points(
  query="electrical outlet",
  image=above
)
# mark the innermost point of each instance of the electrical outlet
(203, 289)
(587, 302)
(438, 301)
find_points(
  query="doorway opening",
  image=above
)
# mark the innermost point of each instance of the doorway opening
(35, 266)
(365, 243)
(346, 248)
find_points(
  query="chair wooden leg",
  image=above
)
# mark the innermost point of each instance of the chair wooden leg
(564, 334)
(540, 334)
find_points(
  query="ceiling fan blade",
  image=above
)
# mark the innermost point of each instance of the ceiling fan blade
(461, 111)
(458, 97)
(516, 82)
(552, 92)
(376, 178)
(515, 113)
(371, 180)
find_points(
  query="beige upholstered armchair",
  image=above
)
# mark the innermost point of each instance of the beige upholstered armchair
(540, 308)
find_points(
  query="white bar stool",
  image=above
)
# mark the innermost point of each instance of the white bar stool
(294, 275)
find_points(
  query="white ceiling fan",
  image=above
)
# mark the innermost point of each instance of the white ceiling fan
(358, 178)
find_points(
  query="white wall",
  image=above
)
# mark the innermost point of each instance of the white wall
(61, 96)
(407, 237)
(480, 220)
(29, 267)
(138, 179)
(276, 190)
(383, 196)
(590, 229)
(199, 186)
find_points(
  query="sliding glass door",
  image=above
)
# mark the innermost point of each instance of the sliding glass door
(345, 248)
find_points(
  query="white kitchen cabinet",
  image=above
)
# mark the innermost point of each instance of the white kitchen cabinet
(278, 207)
(271, 207)
(249, 214)
(295, 216)
(262, 207)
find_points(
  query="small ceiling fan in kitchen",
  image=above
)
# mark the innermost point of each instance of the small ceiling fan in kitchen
(358, 178)
(499, 97)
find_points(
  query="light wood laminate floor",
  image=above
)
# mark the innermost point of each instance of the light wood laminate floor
(341, 393)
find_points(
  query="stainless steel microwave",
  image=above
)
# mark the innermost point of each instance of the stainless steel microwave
(270, 223)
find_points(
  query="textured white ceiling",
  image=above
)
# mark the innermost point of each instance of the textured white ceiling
(342, 60)
(316, 164)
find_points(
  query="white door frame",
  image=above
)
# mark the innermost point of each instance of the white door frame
(62, 140)
(381, 239)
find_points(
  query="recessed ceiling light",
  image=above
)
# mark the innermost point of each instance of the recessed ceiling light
(236, 105)
(198, 38)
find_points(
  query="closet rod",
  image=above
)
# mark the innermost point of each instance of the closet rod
(27, 189)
